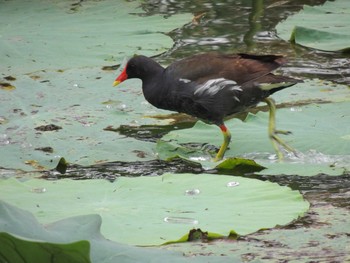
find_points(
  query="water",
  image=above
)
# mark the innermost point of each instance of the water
(230, 26)
(309, 157)
(248, 26)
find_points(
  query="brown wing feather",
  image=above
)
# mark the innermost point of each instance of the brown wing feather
(240, 68)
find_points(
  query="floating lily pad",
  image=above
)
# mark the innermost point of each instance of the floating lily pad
(75, 239)
(323, 27)
(321, 149)
(43, 35)
(58, 85)
(156, 210)
(81, 116)
(324, 233)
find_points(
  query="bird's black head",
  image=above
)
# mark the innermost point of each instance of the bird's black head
(139, 67)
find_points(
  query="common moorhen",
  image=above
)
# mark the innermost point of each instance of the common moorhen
(212, 86)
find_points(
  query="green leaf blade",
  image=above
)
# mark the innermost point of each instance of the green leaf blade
(14, 249)
(323, 27)
(156, 210)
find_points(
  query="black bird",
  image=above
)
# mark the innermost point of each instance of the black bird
(212, 86)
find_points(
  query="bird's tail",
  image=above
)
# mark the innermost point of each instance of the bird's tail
(278, 83)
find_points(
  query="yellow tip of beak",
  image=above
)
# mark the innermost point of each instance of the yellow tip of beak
(115, 83)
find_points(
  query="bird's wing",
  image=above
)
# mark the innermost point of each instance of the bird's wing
(224, 84)
(240, 68)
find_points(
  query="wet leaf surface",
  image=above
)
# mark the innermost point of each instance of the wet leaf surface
(58, 246)
(319, 148)
(321, 235)
(184, 201)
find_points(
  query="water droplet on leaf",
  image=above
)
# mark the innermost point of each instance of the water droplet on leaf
(192, 192)
(232, 184)
(181, 220)
(39, 190)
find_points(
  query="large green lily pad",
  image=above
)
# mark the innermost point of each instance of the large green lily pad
(309, 125)
(83, 112)
(156, 210)
(324, 233)
(75, 239)
(320, 134)
(323, 27)
(50, 77)
(42, 35)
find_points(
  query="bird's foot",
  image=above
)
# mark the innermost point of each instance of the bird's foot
(282, 132)
(278, 143)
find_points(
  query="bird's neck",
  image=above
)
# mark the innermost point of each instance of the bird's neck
(153, 85)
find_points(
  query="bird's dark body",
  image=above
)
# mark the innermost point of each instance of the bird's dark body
(209, 86)
(212, 86)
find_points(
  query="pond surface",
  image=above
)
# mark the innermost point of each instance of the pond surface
(248, 26)
(225, 26)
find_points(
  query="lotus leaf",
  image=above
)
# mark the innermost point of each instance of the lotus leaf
(156, 210)
(321, 149)
(42, 35)
(14, 249)
(64, 107)
(55, 239)
(323, 27)
(325, 239)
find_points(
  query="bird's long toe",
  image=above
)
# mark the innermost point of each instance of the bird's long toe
(283, 132)
(278, 143)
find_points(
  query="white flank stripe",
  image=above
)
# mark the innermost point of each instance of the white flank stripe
(185, 80)
(213, 86)
(236, 98)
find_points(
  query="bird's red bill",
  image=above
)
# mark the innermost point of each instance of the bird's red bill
(123, 76)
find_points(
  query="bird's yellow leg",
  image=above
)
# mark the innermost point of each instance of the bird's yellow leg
(275, 139)
(227, 138)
